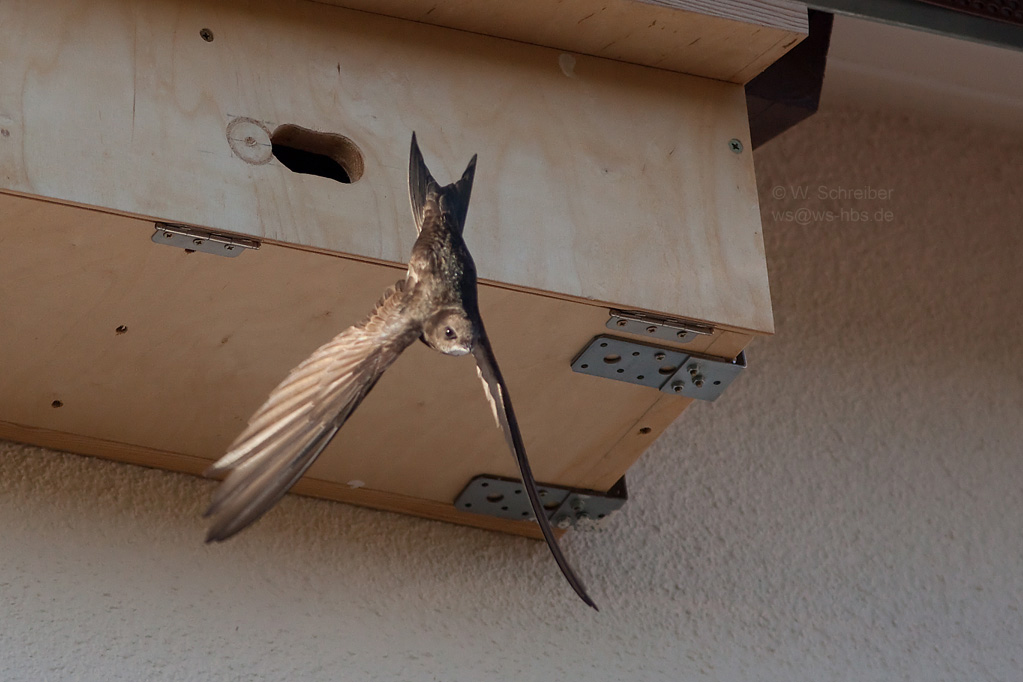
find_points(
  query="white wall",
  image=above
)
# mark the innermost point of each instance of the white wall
(849, 510)
(924, 72)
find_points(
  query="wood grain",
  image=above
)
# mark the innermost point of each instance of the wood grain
(728, 40)
(364, 497)
(158, 357)
(598, 180)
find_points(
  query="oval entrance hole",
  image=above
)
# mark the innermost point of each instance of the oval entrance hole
(328, 155)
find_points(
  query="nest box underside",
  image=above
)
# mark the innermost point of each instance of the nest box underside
(600, 185)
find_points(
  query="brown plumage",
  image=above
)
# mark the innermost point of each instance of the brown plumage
(437, 303)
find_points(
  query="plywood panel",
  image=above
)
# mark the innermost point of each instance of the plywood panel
(597, 180)
(729, 40)
(120, 347)
(365, 497)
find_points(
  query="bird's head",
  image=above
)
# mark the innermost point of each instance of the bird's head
(450, 331)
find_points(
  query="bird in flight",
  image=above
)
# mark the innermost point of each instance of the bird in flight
(436, 303)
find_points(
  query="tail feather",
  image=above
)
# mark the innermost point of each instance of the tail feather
(424, 191)
(420, 183)
(462, 191)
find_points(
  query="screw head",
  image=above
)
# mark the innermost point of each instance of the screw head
(698, 381)
(677, 386)
(693, 369)
(197, 242)
(735, 145)
(622, 323)
(563, 523)
(659, 356)
(206, 35)
(651, 329)
(229, 247)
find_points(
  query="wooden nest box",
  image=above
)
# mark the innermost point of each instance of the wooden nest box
(615, 174)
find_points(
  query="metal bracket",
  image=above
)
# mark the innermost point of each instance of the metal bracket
(667, 369)
(505, 498)
(704, 378)
(656, 326)
(196, 239)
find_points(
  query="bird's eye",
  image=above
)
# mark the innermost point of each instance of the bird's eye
(449, 333)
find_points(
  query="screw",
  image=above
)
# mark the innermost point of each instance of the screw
(622, 323)
(206, 35)
(735, 145)
(578, 505)
(197, 242)
(694, 369)
(698, 381)
(651, 329)
(229, 247)
(678, 386)
(582, 516)
(682, 335)
(659, 356)
(563, 523)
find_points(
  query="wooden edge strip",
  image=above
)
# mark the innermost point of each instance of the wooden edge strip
(190, 464)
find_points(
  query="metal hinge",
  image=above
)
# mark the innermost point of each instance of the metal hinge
(657, 326)
(506, 499)
(669, 370)
(196, 239)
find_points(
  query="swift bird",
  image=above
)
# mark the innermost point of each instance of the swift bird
(436, 303)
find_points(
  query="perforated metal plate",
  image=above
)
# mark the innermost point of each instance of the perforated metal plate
(505, 498)
(666, 369)
(703, 378)
(624, 360)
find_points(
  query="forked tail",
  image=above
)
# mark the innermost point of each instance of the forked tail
(426, 195)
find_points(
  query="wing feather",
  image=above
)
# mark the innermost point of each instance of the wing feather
(301, 416)
(497, 393)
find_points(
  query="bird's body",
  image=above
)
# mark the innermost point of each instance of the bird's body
(437, 303)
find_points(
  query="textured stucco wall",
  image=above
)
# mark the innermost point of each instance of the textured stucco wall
(850, 510)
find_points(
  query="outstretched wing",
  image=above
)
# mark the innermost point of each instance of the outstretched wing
(500, 403)
(304, 412)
